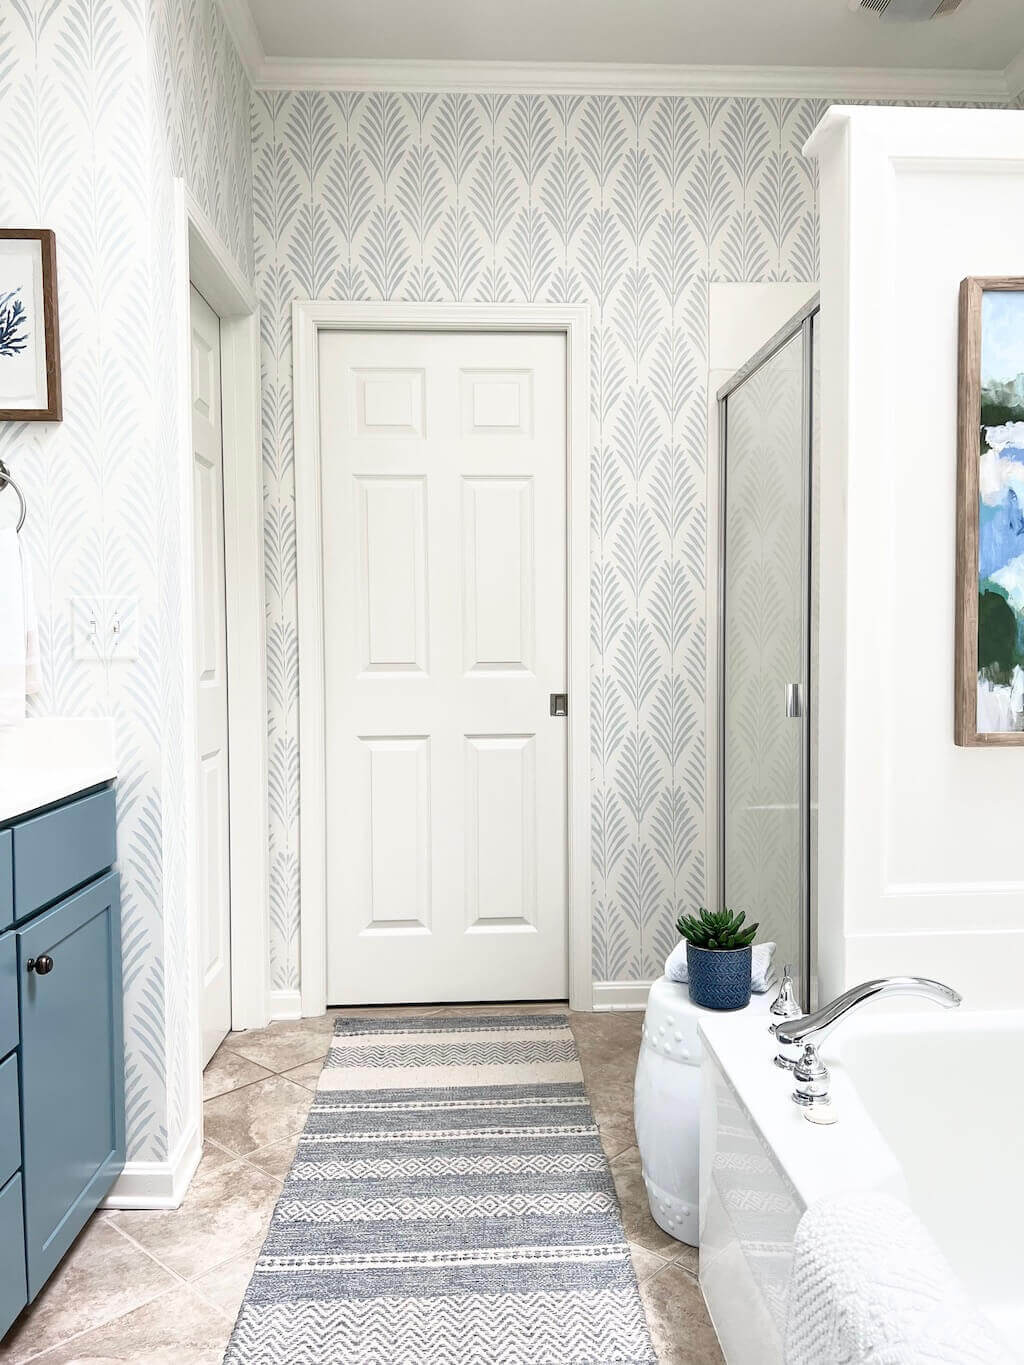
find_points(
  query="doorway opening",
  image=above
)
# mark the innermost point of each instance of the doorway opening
(226, 822)
(443, 557)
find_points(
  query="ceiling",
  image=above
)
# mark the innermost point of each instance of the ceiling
(983, 35)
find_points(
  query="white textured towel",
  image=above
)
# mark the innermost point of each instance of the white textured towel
(28, 597)
(19, 636)
(760, 965)
(870, 1287)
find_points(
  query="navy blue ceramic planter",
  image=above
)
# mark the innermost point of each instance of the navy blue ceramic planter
(719, 978)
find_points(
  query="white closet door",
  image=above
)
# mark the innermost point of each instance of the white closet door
(211, 676)
(444, 459)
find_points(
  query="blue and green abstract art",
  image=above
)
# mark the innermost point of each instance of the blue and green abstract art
(1001, 515)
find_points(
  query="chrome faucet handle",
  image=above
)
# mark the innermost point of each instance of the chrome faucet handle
(812, 1078)
(786, 1006)
(814, 1028)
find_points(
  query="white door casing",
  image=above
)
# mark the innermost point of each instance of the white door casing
(211, 676)
(443, 485)
(310, 319)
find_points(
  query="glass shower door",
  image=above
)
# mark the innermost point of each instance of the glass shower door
(765, 643)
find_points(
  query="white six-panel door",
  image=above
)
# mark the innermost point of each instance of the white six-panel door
(211, 676)
(444, 524)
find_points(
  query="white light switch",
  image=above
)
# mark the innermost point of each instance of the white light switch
(105, 629)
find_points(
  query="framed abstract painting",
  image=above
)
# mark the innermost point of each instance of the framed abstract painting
(989, 684)
(29, 330)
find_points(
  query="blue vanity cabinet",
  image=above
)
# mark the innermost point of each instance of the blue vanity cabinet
(10, 1026)
(13, 1289)
(62, 848)
(61, 1044)
(72, 1067)
(6, 879)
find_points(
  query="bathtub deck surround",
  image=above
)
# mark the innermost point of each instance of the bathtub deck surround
(810, 1073)
(759, 1153)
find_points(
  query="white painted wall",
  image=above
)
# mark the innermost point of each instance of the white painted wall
(920, 855)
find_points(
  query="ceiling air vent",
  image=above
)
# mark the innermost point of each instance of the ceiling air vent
(906, 9)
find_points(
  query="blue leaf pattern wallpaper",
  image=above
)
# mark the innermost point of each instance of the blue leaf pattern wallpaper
(101, 103)
(633, 205)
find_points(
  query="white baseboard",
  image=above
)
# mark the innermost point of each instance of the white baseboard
(621, 995)
(157, 1184)
(285, 1005)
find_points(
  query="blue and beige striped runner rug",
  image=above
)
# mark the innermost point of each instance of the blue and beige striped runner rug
(449, 1204)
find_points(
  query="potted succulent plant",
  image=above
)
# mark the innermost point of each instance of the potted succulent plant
(718, 958)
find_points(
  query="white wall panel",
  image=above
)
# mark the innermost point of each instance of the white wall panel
(919, 867)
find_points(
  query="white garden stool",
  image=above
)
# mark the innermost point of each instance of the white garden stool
(666, 1103)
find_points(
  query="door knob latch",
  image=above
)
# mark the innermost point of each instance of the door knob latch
(559, 703)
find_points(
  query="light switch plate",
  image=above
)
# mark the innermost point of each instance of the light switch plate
(105, 629)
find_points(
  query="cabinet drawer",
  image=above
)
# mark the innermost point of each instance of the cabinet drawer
(10, 1119)
(72, 1070)
(13, 1289)
(62, 848)
(6, 880)
(8, 993)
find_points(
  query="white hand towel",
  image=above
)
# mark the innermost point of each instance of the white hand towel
(760, 965)
(12, 630)
(870, 1286)
(32, 676)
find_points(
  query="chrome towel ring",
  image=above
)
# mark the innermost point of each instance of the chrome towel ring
(6, 481)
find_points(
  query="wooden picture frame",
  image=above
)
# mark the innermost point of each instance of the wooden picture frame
(29, 317)
(968, 681)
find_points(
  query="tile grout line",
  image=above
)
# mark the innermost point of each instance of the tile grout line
(107, 1322)
(145, 1251)
(268, 1069)
(216, 1264)
(304, 1089)
(247, 1085)
(674, 1265)
(188, 1284)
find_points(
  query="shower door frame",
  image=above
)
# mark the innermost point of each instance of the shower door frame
(801, 324)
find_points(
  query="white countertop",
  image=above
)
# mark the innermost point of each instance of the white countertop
(52, 757)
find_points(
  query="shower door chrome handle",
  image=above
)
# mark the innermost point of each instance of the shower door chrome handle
(794, 701)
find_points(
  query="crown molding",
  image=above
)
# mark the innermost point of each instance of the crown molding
(612, 78)
(1014, 76)
(246, 36)
(281, 73)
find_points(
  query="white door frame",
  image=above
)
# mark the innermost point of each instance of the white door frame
(208, 265)
(308, 319)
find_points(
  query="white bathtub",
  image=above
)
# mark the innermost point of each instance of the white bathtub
(930, 1107)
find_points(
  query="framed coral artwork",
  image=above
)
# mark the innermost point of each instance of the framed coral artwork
(29, 330)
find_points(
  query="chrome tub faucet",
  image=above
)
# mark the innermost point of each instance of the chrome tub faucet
(812, 1076)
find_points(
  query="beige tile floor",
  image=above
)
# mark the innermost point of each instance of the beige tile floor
(164, 1288)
